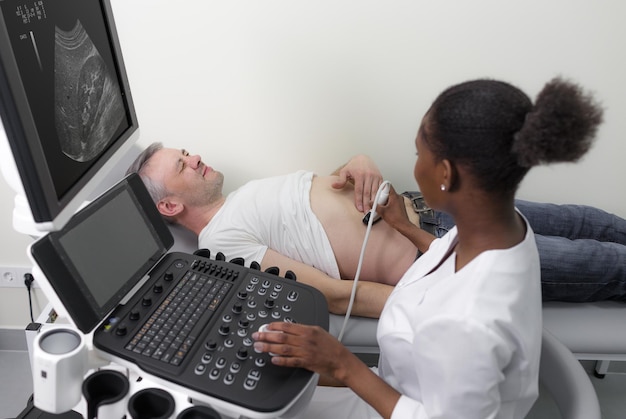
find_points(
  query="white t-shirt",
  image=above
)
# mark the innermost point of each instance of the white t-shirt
(271, 213)
(467, 343)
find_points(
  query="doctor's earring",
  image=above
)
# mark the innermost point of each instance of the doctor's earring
(443, 187)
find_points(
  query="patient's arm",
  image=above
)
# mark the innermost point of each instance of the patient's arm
(363, 173)
(370, 296)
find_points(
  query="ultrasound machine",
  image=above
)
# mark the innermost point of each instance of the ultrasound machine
(176, 326)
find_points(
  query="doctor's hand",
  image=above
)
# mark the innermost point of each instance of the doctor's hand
(302, 346)
(366, 177)
(394, 211)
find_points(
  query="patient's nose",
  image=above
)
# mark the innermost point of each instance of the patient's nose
(193, 161)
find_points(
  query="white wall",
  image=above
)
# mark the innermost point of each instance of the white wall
(267, 87)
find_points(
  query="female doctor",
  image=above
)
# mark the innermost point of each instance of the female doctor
(460, 334)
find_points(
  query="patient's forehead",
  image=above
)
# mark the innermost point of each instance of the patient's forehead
(162, 162)
(166, 156)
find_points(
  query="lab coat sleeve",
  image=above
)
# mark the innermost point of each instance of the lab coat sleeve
(459, 364)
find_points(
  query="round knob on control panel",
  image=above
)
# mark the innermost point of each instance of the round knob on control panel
(168, 276)
(134, 315)
(224, 330)
(121, 330)
(158, 288)
(237, 308)
(210, 345)
(146, 301)
(242, 353)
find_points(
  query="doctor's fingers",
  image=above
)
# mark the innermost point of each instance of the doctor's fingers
(394, 209)
(323, 360)
(293, 339)
(289, 333)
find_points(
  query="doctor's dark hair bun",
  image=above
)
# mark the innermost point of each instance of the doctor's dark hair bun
(497, 134)
(560, 128)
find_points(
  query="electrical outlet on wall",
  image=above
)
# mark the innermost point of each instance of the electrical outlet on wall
(13, 276)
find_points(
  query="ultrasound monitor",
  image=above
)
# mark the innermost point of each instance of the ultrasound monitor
(65, 103)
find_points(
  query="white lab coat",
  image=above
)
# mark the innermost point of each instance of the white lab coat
(465, 344)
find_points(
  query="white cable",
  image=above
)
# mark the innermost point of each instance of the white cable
(380, 193)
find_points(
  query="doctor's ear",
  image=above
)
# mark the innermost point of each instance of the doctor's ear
(450, 176)
(169, 208)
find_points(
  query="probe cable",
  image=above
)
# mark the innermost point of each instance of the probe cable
(370, 222)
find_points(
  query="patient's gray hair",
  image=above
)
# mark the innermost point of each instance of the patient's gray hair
(156, 189)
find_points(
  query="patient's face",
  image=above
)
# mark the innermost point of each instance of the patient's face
(185, 176)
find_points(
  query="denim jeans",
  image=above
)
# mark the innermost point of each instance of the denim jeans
(582, 250)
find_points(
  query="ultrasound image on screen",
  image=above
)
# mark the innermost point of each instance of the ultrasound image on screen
(89, 105)
(66, 62)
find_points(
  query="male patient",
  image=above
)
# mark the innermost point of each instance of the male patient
(301, 222)
(312, 225)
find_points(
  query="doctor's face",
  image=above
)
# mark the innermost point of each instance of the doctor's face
(426, 169)
(185, 176)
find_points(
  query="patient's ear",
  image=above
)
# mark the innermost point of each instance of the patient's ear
(169, 208)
